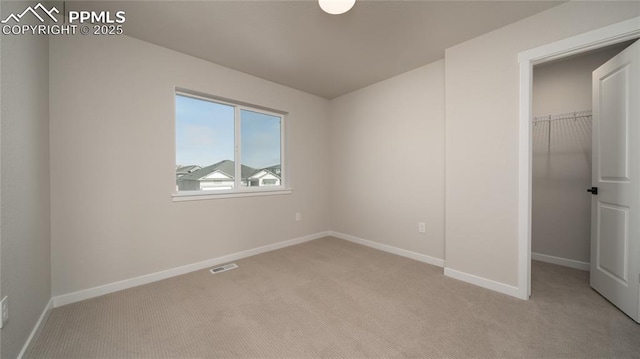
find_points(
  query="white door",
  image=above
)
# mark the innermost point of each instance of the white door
(615, 209)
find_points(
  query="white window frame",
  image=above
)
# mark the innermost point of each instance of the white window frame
(238, 190)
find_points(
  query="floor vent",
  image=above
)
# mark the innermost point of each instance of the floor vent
(223, 268)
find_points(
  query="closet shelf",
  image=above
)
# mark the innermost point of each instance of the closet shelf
(563, 116)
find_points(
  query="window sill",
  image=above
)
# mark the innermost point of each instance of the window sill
(205, 195)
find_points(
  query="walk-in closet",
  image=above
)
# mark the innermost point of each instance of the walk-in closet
(561, 163)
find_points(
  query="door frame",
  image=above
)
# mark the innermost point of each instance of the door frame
(605, 36)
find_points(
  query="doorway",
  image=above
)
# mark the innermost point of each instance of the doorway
(561, 157)
(597, 39)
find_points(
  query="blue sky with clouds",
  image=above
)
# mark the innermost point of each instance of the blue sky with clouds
(205, 134)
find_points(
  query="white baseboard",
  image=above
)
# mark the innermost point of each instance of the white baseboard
(484, 283)
(561, 261)
(153, 277)
(36, 329)
(390, 249)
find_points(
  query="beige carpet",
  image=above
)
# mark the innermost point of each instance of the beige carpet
(334, 299)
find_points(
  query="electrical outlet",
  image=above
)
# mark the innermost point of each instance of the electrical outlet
(298, 217)
(422, 227)
(4, 304)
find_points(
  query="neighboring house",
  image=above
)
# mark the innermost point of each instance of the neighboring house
(269, 176)
(221, 176)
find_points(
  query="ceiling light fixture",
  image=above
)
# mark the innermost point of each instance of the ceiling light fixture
(336, 7)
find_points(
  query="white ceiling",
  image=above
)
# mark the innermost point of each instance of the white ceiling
(294, 43)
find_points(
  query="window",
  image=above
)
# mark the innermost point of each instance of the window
(231, 148)
(269, 182)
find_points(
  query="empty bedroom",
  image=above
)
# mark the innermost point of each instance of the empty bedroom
(314, 179)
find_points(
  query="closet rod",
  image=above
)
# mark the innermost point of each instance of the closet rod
(577, 115)
(563, 116)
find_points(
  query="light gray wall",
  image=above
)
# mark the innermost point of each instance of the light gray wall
(387, 155)
(113, 164)
(24, 159)
(482, 88)
(561, 206)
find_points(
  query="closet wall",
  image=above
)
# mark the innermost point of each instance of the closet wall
(561, 208)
